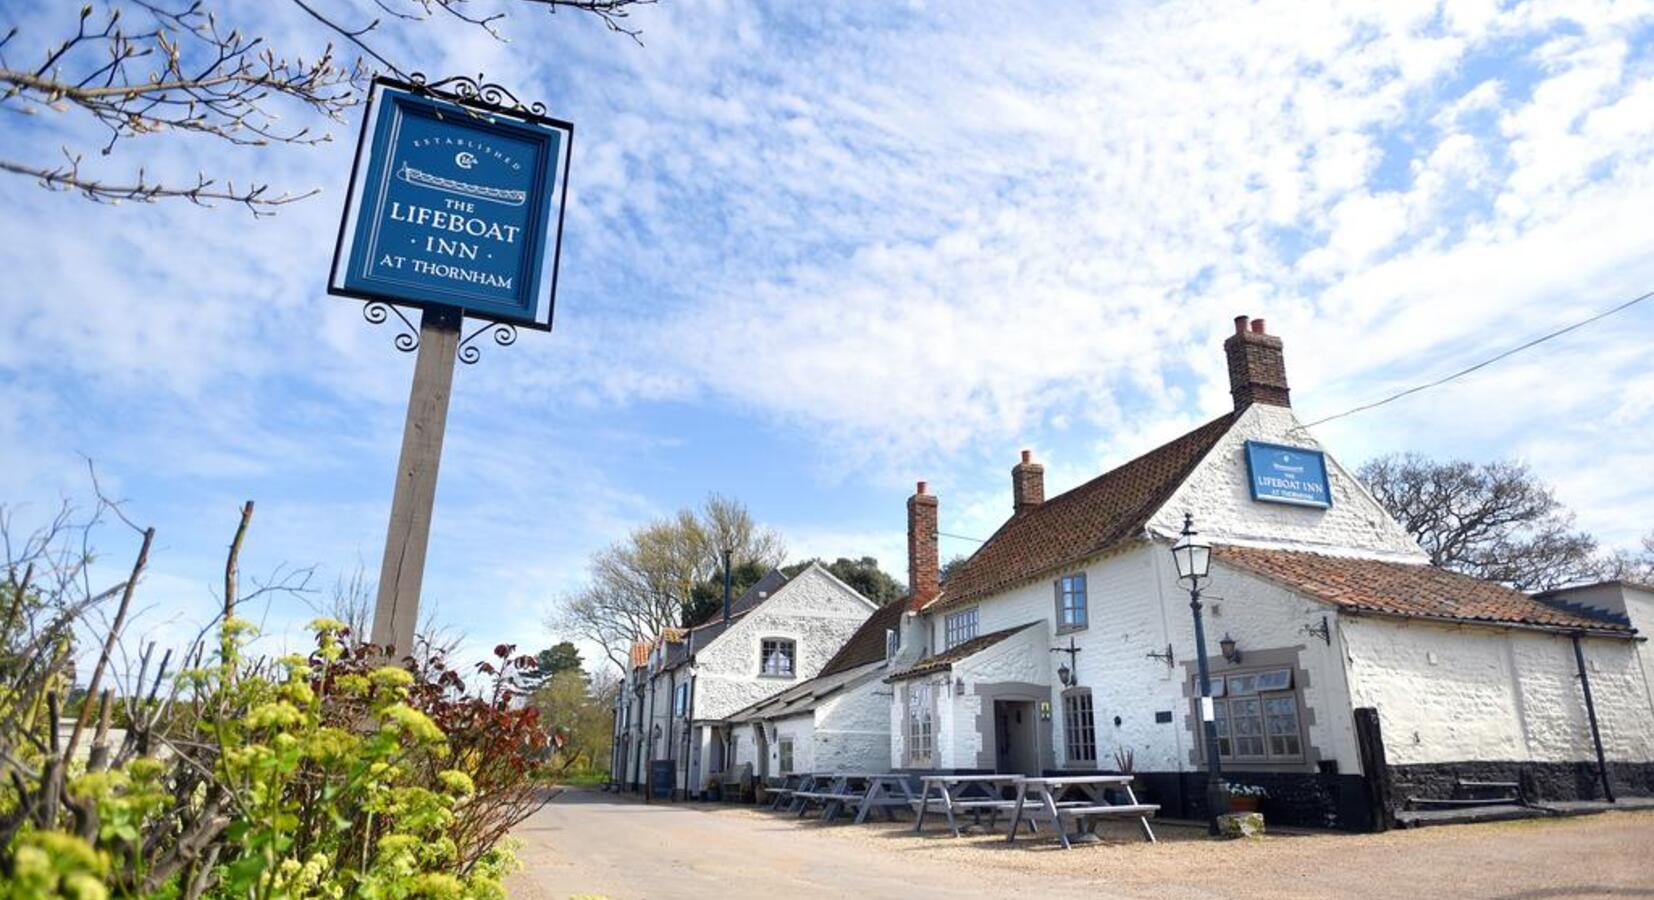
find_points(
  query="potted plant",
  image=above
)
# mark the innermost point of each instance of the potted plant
(1244, 797)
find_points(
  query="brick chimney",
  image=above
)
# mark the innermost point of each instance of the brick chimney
(1027, 483)
(1257, 368)
(923, 565)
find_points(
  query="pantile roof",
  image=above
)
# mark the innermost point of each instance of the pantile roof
(941, 662)
(1104, 512)
(1405, 589)
(866, 645)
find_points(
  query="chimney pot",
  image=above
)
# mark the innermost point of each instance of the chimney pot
(1257, 366)
(921, 488)
(1027, 483)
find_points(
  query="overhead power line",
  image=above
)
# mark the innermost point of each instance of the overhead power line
(1484, 363)
(963, 537)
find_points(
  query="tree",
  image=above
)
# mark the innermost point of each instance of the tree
(706, 599)
(1495, 521)
(640, 586)
(951, 567)
(1627, 565)
(579, 712)
(548, 664)
(188, 70)
(862, 574)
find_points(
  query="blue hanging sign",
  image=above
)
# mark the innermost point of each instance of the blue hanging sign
(1288, 475)
(455, 200)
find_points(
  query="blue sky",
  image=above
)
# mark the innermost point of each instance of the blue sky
(816, 252)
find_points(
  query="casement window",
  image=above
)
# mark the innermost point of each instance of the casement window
(1079, 727)
(892, 642)
(958, 628)
(1256, 715)
(1071, 607)
(921, 718)
(680, 700)
(777, 655)
(786, 751)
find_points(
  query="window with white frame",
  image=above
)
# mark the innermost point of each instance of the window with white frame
(786, 752)
(680, 702)
(1071, 608)
(1256, 715)
(1079, 727)
(958, 628)
(921, 734)
(777, 655)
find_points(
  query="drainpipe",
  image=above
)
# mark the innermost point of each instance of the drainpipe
(726, 587)
(1591, 713)
(671, 717)
(647, 757)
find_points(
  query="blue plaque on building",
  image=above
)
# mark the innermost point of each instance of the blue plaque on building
(1292, 475)
(455, 201)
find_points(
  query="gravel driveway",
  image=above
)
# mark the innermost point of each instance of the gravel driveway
(588, 842)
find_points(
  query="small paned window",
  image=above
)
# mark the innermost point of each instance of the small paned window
(921, 736)
(1079, 726)
(777, 657)
(1256, 717)
(786, 756)
(1071, 606)
(959, 627)
(680, 702)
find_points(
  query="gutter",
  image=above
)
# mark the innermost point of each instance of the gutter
(1570, 630)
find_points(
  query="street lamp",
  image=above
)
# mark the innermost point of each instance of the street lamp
(1194, 560)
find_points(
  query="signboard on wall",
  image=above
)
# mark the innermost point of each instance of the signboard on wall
(455, 203)
(1292, 475)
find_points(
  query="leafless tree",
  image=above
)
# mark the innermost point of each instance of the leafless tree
(641, 586)
(352, 599)
(1631, 565)
(1496, 520)
(142, 68)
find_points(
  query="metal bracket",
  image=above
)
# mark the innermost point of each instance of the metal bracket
(1163, 657)
(1322, 631)
(505, 335)
(379, 313)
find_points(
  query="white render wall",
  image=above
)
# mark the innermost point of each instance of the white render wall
(1023, 658)
(1465, 693)
(1136, 606)
(797, 729)
(1218, 494)
(851, 731)
(815, 610)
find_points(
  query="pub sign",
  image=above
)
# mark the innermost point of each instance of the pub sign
(455, 202)
(1293, 475)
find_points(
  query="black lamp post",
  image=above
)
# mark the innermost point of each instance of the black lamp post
(1194, 561)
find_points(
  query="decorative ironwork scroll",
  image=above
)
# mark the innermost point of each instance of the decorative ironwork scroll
(505, 334)
(476, 92)
(379, 313)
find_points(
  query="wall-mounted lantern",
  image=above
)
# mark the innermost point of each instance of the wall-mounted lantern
(1065, 672)
(1230, 651)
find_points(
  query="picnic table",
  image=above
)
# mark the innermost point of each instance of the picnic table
(832, 792)
(1080, 815)
(784, 793)
(965, 793)
(885, 793)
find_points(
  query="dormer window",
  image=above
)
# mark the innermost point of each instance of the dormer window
(892, 642)
(776, 656)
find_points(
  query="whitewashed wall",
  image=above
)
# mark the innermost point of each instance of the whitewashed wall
(852, 730)
(1023, 657)
(1218, 495)
(1451, 694)
(798, 729)
(1137, 606)
(815, 610)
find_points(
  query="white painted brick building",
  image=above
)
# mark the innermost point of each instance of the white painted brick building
(1330, 608)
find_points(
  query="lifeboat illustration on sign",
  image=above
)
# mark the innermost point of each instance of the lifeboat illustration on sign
(473, 191)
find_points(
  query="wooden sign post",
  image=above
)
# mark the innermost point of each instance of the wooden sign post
(455, 198)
